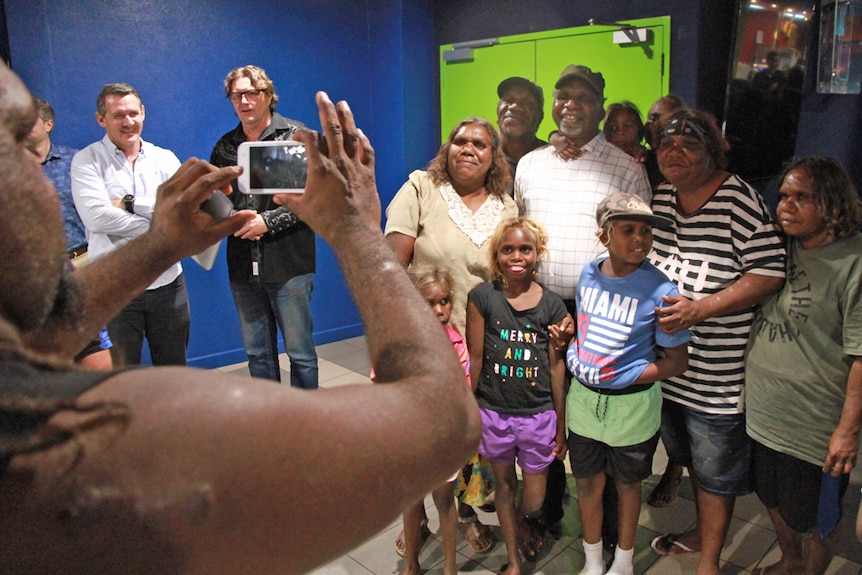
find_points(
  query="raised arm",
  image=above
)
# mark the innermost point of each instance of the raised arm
(201, 472)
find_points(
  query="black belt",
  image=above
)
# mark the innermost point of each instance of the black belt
(623, 391)
(78, 251)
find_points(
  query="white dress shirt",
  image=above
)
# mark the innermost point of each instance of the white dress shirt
(102, 173)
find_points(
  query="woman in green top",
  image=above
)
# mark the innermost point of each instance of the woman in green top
(804, 366)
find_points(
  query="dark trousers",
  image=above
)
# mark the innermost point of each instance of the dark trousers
(162, 316)
(553, 505)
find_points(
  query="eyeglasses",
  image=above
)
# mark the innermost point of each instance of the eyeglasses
(250, 95)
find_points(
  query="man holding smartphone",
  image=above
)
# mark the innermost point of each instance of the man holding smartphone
(271, 259)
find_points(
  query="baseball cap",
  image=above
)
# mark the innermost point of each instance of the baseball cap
(594, 79)
(623, 205)
(529, 85)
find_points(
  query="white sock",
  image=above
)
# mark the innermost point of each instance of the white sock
(595, 563)
(622, 564)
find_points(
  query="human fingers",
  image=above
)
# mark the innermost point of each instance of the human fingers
(562, 450)
(195, 181)
(350, 132)
(330, 123)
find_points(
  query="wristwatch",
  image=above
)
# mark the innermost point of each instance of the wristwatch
(129, 200)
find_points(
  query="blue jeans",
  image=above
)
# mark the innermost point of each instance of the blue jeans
(264, 306)
(715, 446)
(162, 315)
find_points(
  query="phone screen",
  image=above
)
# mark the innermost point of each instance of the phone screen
(277, 168)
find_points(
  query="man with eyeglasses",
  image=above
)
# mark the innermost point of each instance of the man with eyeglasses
(114, 185)
(271, 259)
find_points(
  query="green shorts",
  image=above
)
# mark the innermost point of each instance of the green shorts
(616, 420)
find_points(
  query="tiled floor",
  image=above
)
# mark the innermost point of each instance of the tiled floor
(751, 541)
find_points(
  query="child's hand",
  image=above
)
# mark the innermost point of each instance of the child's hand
(565, 148)
(562, 447)
(561, 334)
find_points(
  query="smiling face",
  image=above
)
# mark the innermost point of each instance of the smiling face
(577, 111)
(798, 212)
(123, 121)
(469, 157)
(438, 297)
(629, 241)
(517, 255)
(518, 113)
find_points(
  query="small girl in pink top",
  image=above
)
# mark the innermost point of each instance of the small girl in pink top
(436, 286)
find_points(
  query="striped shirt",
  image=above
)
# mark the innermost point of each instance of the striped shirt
(563, 196)
(731, 235)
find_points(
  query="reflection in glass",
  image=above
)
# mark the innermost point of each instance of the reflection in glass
(765, 88)
(839, 59)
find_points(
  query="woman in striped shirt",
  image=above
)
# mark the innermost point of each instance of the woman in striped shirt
(725, 255)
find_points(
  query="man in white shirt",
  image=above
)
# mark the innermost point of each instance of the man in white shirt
(114, 184)
(563, 194)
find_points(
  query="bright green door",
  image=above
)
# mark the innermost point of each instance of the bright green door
(633, 72)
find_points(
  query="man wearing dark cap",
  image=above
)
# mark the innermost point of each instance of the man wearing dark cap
(519, 114)
(563, 195)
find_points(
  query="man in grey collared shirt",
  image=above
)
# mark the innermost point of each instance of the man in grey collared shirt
(114, 184)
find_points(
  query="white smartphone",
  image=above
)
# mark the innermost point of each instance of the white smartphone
(272, 167)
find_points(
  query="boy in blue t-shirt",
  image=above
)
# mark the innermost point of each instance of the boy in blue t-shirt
(613, 407)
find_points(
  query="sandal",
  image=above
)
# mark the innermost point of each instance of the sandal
(670, 545)
(475, 533)
(665, 491)
(534, 525)
(424, 534)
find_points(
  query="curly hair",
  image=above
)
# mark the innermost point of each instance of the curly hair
(707, 131)
(835, 195)
(259, 80)
(537, 232)
(498, 177)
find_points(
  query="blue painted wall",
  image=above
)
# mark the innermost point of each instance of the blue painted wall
(379, 55)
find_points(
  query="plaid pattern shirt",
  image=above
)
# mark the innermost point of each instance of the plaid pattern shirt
(563, 196)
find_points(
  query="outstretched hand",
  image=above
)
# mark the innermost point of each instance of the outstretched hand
(179, 227)
(340, 192)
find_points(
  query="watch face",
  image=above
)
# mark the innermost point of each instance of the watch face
(129, 198)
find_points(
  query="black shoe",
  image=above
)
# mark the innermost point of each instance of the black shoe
(555, 529)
